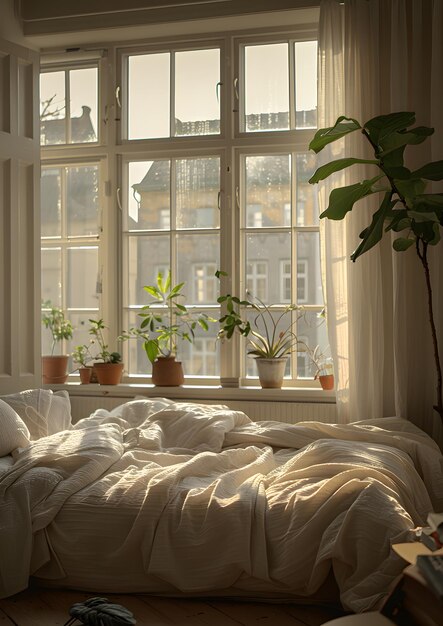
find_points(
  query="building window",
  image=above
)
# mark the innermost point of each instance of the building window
(211, 173)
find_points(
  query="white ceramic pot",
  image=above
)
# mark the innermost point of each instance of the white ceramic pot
(271, 372)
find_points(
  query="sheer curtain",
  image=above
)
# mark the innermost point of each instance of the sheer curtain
(377, 57)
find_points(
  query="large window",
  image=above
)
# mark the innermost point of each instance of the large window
(203, 162)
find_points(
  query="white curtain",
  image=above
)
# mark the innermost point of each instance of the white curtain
(377, 57)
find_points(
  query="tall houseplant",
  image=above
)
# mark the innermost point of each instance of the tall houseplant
(405, 208)
(270, 339)
(164, 322)
(54, 366)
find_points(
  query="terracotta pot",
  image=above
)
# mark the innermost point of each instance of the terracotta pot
(271, 372)
(85, 375)
(54, 369)
(108, 373)
(167, 372)
(327, 381)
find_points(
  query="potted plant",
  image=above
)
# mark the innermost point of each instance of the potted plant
(109, 368)
(164, 322)
(82, 356)
(405, 208)
(54, 367)
(270, 339)
(324, 369)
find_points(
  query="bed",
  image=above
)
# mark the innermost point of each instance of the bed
(179, 498)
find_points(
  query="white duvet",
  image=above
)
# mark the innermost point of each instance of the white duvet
(167, 497)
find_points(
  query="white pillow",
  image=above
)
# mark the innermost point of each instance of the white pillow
(43, 411)
(59, 414)
(13, 431)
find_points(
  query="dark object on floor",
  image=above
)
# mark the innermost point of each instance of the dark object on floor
(100, 612)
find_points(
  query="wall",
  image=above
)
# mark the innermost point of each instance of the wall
(10, 26)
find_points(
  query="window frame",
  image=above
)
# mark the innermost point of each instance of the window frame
(115, 149)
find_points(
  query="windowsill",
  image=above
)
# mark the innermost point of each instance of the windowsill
(195, 392)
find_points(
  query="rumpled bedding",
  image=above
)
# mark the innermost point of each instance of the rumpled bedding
(164, 497)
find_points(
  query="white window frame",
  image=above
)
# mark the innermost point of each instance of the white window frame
(114, 148)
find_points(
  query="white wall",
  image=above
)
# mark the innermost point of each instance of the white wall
(10, 27)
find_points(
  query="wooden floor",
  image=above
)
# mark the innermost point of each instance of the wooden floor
(42, 607)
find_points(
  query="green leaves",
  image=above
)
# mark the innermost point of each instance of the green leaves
(420, 215)
(167, 320)
(335, 166)
(430, 171)
(343, 126)
(342, 200)
(374, 232)
(381, 127)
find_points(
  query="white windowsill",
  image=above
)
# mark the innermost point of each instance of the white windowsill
(195, 392)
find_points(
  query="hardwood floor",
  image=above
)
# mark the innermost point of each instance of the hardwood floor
(43, 607)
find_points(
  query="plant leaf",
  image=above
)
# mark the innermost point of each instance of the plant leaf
(412, 137)
(343, 126)
(152, 349)
(382, 126)
(374, 232)
(430, 171)
(401, 244)
(335, 166)
(342, 200)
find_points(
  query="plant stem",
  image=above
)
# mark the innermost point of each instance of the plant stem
(423, 256)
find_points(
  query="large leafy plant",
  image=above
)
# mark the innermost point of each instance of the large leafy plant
(270, 332)
(406, 208)
(167, 319)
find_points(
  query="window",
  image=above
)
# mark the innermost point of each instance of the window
(203, 166)
(71, 243)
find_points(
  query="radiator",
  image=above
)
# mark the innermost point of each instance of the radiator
(288, 412)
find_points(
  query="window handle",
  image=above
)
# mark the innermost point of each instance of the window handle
(218, 200)
(235, 109)
(237, 197)
(119, 201)
(217, 91)
(117, 96)
(236, 88)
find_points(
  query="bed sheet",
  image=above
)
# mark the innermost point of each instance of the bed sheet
(167, 497)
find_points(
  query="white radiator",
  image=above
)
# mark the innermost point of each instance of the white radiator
(289, 412)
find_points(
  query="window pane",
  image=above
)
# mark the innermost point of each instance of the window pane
(51, 203)
(52, 275)
(52, 108)
(198, 258)
(201, 357)
(84, 101)
(147, 256)
(307, 195)
(136, 360)
(197, 109)
(268, 191)
(308, 269)
(148, 95)
(266, 87)
(306, 84)
(82, 200)
(264, 270)
(197, 188)
(149, 195)
(82, 272)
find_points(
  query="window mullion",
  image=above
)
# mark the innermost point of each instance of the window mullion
(172, 96)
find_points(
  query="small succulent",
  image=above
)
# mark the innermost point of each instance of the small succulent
(100, 612)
